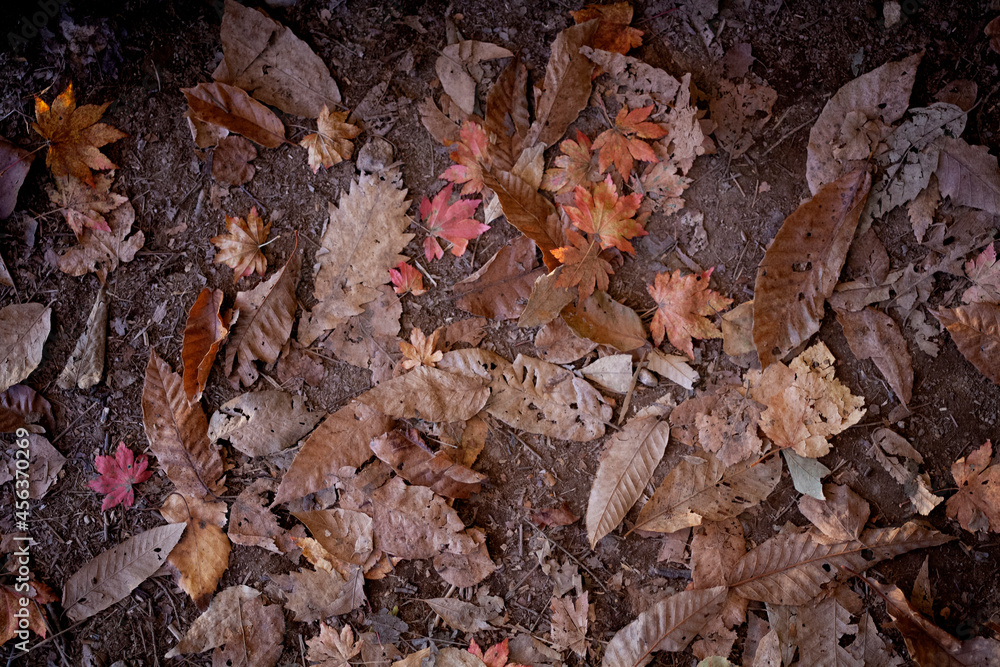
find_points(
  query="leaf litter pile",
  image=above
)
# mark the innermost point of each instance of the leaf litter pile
(694, 416)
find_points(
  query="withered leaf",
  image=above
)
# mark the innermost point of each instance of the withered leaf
(975, 328)
(22, 407)
(874, 335)
(841, 516)
(613, 372)
(501, 287)
(821, 629)
(314, 594)
(239, 248)
(331, 144)
(451, 68)
(547, 300)
(528, 211)
(557, 344)
(84, 206)
(231, 161)
(221, 620)
(728, 428)
(976, 506)
(252, 524)
(202, 556)
(507, 117)
(673, 367)
(569, 623)
(416, 464)
(466, 616)
(968, 175)
(230, 107)
(86, 364)
(204, 333)
(262, 422)
(801, 268)
(14, 165)
(917, 486)
(370, 339)
(44, 464)
(101, 251)
(259, 639)
(430, 394)
(606, 322)
(346, 534)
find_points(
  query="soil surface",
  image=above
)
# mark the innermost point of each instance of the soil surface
(140, 53)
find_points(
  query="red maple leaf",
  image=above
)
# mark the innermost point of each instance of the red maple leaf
(405, 279)
(450, 221)
(623, 142)
(607, 215)
(469, 157)
(496, 655)
(118, 474)
(682, 304)
(571, 167)
(582, 265)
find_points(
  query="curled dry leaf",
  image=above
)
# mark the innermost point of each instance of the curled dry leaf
(23, 330)
(84, 206)
(606, 322)
(627, 464)
(421, 350)
(976, 505)
(115, 573)
(916, 485)
(529, 212)
(801, 268)
(231, 161)
(266, 58)
(874, 335)
(239, 248)
(841, 516)
(23, 407)
(501, 287)
(101, 251)
(204, 334)
(331, 144)
(230, 107)
(975, 328)
(263, 422)
(429, 394)
(86, 364)
(406, 453)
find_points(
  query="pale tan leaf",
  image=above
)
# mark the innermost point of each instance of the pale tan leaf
(427, 393)
(613, 372)
(262, 422)
(86, 364)
(841, 516)
(202, 556)
(728, 428)
(669, 625)
(768, 651)
(414, 522)
(466, 616)
(314, 594)
(791, 569)
(917, 486)
(641, 84)
(44, 464)
(115, 573)
(630, 457)
(546, 301)
(344, 533)
(444, 130)
(695, 492)
(501, 287)
(737, 330)
(820, 629)
(606, 322)
(264, 323)
(802, 265)
(452, 69)
(896, 445)
(100, 251)
(230, 107)
(204, 334)
(556, 343)
(672, 367)
(968, 175)
(569, 624)
(252, 524)
(221, 620)
(870, 648)
(23, 330)
(413, 462)
(874, 335)
(367, 340)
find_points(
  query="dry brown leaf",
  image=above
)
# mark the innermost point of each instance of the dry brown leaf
(443, 129)
(115, 573)
(267, 59)
(453, 65)
(613, 372)
(841, 516)
(880, 97)
(627, 464)
(715, 549)
(44, 464)
(467, 562)
(252, 524)
(792, 568)
(230, 107)
(231, 161)
(466, 616)
(86, 364)
(976, 506)
(737, 114)
(333, 649)
(84, 206)
(640, 83)
(345, 534)
(341, 440)
(262, 422)
(874, 335)
(22, 407)
(204, 334)
(968, 175)
(728, 428)
(429, 394)
(569, 624)
(528, 211)
(669, 625)
(222, 620)
(14, 165)
(694, 492)
(673, 367)
(917, 486)
(361, 243)
(100, 251)
(412, 460)
(331, 144)
(501, 287)
(821, 629)
(554, 516)
(240, 247)
(314, 594)
(264, 323)
(547, 300)
(870, 648)
(802, 265)
(470, 331)
(507, 116)
(606, 322)
(557, 344)
(975, 328)
(202, 556)
(259, 639)
(737, 330)
(566, 88)
(370, 340)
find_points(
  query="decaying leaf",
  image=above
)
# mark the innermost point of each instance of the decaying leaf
(230, 107)
(529, 212)
(23, 330)
(976, 505)
(222, 619)
(23, 407)
(453, 64)
(569, 623)
(257, 641)
(728, 427)
(507, 115)
(627, 464)
(331, 143)
(467, 616)
(741, 110)
(345, 534)
(14, 165)
(412, 460)
(430, 394)
(239, 248)
(841, 516)
(917, 486)
(231, 161)
(263, 422)
(975, 328)
(44, 464)
(984, 272)
(314, 594)
(613, 372)
(333, 649)
(204, 333)
(115, 573)
(99, 251)
(85, 367)
(682, 307)
(874, 335)
(821, 629)
(84, 206)
(801, 268)
(557, 344)
(968, 175)
(606, 322)
(501, 287)
(252, 524)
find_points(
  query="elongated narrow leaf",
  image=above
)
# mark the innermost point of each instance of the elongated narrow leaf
(507, 117)
(231, 108)
(975, 328)
(801, 268)
(669, 625)
(792, 569)
(23, 330)
(85, 367)
(428, 393)
(626, 467)
(116, 572)
(204, 333)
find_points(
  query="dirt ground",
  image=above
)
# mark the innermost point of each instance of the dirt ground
(142, 52)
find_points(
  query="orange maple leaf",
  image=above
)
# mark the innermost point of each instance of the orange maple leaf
(682, 304)
(469, 157)
(571, 167)
(332, 142)
(582, 265)
(74, 136)
(623, 142)
(613, 31)
(607, 215)
(421, 350)
(976, 506)
(239, 247)
(452, 222)
(405, 279)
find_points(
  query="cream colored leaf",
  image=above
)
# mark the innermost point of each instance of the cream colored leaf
(86, 365)
(737, 330)
(452, 69)
(630, 457)
(673, 367)
(221, 620)
(23, 330)
(262, 422)
(613, 372)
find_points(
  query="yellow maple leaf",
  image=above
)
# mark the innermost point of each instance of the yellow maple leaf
(239, 247)
(332, 142)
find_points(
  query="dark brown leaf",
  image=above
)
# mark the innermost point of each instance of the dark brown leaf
(606, 322)
(874, 335)
(233, 109)
(500, 288)
(529, 211)
(204, 333)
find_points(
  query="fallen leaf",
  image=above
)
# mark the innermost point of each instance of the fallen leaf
(14, 165)
(467, 616)
(239, 248)
(74, 136)
(569, 624)
(740, 111)
(613, 31)
(620, 144)
(405, 279)
(252, 524)
(11, 625)
(100, 252)
(880, 96)
(333, 649)
(605, 214)
(728, 428)
(118, 474)
(791, 569)
(841, 516)
(976, 505)
(606, 322)
(230, 107)
(470, 157)
(331, 144)
(529, 167)
(822, 631)
(801, 267)
(984, 272)
(410, 457)
(23, 407)
(682, 304)
(917, 486)
(870, 648)
(467, 562)
(627, 464)
(421, 350)
(443, 129)
(807, 474)
(662, 187)
(23, 330)
(507, 115)
(685, 138)
(572, 167)
(222, 620)
(583, 265)
(202, 556)
(529, 212)
(554, 516)
(546, 301)
(204, 333)
(669, 625)
(975, 328)
(715, 549)
(501, 287)
(923, 598)
(257, 641)
(452, 222)
(361, 243)
(557, 344)
(84, 206)
(429, 394)
(266, 59)
(874, 335)
(264, 323)
(968, 175)
(262, 422)
(640, 83)
(453, 64)
(115, 573)
(231, 161)
(613, 372)
(85, 366)
(345, 534)
(44, 464)
(314, 594)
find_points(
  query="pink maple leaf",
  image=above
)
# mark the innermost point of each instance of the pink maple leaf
(452, 222)
(118, 474)
(405, 279)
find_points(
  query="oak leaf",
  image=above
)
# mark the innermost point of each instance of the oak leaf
(682, 304)
(99, 251)
(74, 136)
(82, 205)
(622, 143)
(470, 157)
(239, 248)
(602, 212)
(976, 506)
(975, 328)
(118, 474)
(582, 265)
(572, 166)
(331, 143)
(232, 108)
(204, 333)
(421, 350)
(499, 289)
(452, 222)
(405, 279)
(613, 31)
